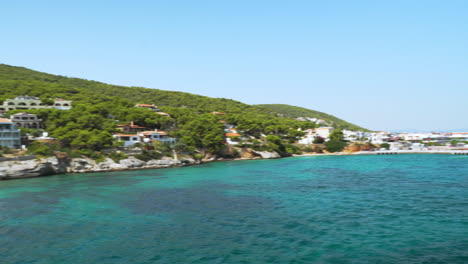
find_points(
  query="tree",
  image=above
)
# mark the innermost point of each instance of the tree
(336, 141)
(318, 140)
(385, 146)
(336, 135)
(335, 146)
(204, 132)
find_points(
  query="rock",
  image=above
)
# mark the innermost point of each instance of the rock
(187, 161)
(209, 157)
(268, 154)
(162, 163)
(132, 163)
(109, 165)
(352, 148)
(81, 165)
(30, 168)
(249, 154)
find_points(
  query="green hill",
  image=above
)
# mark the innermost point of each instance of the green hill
(99, 107)
(295, 112)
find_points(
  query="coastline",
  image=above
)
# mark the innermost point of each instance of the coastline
(50, 166)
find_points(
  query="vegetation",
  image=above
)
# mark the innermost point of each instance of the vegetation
(87, 128)
(385, 146)
(336, 142)
(295, 112)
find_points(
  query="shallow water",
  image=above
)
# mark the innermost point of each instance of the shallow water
(335, 209)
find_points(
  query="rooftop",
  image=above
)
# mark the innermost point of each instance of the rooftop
(4, 120)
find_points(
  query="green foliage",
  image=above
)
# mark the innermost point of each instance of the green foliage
(454, 142)
(318, 140)
(385, 146)
(198, 156)
(97, 107)
(295, 112)
(31, 131)
(163, 148)
(293, 149)
(147, 155)
(182, 148)
(204, 132)
(117, 156)
(336, 135)
(7, 150)
(335, 145)
(43, 149)
(275, 143)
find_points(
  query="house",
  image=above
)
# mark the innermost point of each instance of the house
(350, 135)
(10, 136)
(309, 137)
(45, 138)
(379, 137)
(324, 132)
(232, 138)
(26, 120)
(131, 128)
(459, 135)
(156, 135)
(62, 104)
(230, 130)
(128, 139)
(148, 106)
(31, 102)
(216, 113)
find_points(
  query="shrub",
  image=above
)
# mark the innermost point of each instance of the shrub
(318, 140)
(117, 156)
(148, 155)
(335, 145)
(385, 145)
(293, 149)
(42, 149)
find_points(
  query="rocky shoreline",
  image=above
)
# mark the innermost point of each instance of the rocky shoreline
(37, 167)
(18, 169)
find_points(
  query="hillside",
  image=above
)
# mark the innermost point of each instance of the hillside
(98, 108)
(295, 112)
(16, 81)
(22, 81)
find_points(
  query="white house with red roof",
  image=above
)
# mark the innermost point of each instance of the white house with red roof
(156, 135)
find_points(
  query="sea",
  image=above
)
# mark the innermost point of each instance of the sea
(321, 209)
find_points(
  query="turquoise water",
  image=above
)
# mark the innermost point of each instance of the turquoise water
(348, 209)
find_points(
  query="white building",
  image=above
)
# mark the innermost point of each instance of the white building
(379, 137)
(156, 135)
(324, 132)
(128, 139)
(309, 137)
(350, 135)
(32, 102)
(420, 136)
(10, 135)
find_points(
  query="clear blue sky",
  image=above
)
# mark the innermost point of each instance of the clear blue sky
(393, 65)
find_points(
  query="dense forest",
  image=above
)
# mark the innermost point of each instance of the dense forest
(295, 112)
(99, 107)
